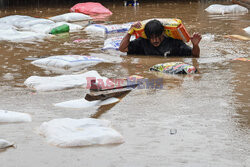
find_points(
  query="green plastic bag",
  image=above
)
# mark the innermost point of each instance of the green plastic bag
(60, 29)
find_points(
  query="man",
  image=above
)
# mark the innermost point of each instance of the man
(158, 44)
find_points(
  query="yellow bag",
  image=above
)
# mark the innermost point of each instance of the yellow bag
(173, 28)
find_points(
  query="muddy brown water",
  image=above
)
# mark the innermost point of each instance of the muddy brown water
(209, 110)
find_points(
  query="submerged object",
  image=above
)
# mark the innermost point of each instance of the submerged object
(243, 59)
(239, 37)
(247, 30)
(6, 144)
(173, 28)
(174, 68)
(90, 8)
(11, 117)
(60, 29)
(226, 9)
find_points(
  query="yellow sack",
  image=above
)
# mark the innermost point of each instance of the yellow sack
(173, 28)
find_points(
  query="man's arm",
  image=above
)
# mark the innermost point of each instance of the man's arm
(124, 43)
(126, 39)
(195, 39)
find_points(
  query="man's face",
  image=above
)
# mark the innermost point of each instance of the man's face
(156, 40)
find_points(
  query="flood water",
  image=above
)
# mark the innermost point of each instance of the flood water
(209, 110)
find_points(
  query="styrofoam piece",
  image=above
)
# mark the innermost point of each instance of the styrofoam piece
(63, 81)
(67, 61)
(83, 103)
(11, 116)
(101, 29)
(70, 17)
(247, 29)
(225, 9)
(67, 132)
(5, 144)
(114, 42)
(19, 36)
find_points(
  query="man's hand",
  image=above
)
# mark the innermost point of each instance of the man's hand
(135, 25)
(195, 39)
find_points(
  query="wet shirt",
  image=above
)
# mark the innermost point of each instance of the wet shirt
(168, 47)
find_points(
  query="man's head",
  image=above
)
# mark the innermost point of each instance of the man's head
(154, 32)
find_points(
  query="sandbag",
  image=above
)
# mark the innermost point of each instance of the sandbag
(70, 17)
(174, 68)
(13, 35)
(90, 8)
(62, 82)
(67, 61)
(114, 43)
(225, 9)
(67, 132)
(11, 116)
(173, 28)
(100, 29)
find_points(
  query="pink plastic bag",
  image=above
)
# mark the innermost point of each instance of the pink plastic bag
(90, 8)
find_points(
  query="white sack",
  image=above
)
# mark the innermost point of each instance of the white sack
(100, 29)
(21, 21)
(70, 17)
(5, 144)
(10, 116)
(67, 132)
(19, 36)
(67, 61)
(4, 26)
(83, 103)
(61, 82)
(247, 30)
(114, 42)
(224, 9)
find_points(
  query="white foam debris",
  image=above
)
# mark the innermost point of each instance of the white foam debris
(67, 61)
(11, 116)
(70, 17)
(5, 144)
(67, 132)
(83, 103)
(225, 9)
(208, 37)
(247, 29)
(63, 81)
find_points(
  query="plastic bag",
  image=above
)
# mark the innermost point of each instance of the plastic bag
(174, 68)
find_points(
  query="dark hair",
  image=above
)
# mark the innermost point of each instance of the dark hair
(153, 28)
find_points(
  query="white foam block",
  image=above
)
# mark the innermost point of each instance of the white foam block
(63, 81)
(83, 103)
(247, 30)
(10, 116)
(70, 17)
(67, 61)
(224, 9)
(67, 132)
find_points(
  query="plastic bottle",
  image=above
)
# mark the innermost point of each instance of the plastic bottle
(60, 29)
